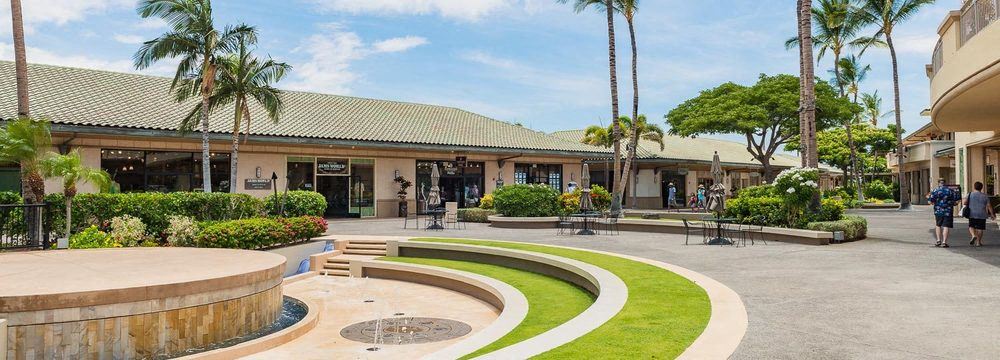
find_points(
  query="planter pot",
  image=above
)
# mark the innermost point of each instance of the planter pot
(403, 207)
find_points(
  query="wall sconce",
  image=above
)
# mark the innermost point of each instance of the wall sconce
(257, 172)
(395, 174)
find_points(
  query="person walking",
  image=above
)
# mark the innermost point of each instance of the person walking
(701, 196)
(671, 196)
(944, 200)
(979, 210)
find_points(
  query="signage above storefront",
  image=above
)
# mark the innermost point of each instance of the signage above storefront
(331, 166)
(257, 184)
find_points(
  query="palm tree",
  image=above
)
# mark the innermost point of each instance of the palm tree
(196, 41)
(20, 61)
(837, 24)
(885, 15)
(807, 91)
(601, 136)
(70, 168)
(639, 130)
(872, 104)
(242, 78)
(850, 76)
(25, 142)
(609, 9)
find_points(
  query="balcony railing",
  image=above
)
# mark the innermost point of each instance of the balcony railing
(937, 60)
(977, 15)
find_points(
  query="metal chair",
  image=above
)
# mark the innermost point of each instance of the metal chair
(753, 232)
(734, 232)
(691, 227)
(451, 216)
(411, 216)
(610, 224)
(565, 223)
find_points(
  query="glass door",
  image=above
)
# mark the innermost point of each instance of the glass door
(336, 190)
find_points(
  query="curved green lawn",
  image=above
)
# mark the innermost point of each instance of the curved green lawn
(663, 315)
(551, 301)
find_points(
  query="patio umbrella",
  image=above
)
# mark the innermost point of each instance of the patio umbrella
(434, 197)
(717, 192)
(585, 204)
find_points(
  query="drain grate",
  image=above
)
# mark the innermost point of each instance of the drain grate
(407, 330)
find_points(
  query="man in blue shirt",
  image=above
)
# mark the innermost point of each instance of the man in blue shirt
(671, 196)
(944, 200)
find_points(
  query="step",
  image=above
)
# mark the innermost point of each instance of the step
(336, 272)
(364, 252)
(339, 260)
(366, 246)
(366, 241)
(337, 266)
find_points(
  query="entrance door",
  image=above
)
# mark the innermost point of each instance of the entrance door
(678, 181)
(336, 190)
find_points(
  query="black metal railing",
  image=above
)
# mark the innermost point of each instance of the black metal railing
(937, 59)
(24, 226)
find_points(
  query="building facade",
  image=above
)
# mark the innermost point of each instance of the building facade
(929, 155)
(964, 82)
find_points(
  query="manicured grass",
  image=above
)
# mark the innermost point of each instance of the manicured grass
(551, 301)
(663, 315)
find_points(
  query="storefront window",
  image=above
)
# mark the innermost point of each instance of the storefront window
(461, 184)
(539, 174)
(301, 173)
(163, 171)
(363, 187)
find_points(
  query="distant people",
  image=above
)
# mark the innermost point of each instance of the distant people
(979, 210)
(944, 200)
(701, 196)
(671, 196)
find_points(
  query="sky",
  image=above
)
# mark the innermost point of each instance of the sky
(533, 62)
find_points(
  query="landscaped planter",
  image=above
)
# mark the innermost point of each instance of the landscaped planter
(499, 221)
(880, 206)
(667, 215)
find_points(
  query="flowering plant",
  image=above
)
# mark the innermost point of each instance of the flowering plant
(797, 187)
(127, 230)
(181, 231)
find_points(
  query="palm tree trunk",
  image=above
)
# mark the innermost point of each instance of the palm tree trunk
(803, 19)
(904, 187)
(234, 158)
(20, 60)
(208, 80)
(69, 215)
(616, 201)
(634, 136)
(857, 172)
(808, 91)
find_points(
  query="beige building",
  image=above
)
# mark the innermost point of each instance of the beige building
(929, 155)
(348, 149)
(964, 86)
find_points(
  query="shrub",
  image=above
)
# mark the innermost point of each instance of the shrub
(765, 190)
(486, 202)
(181, 231)
(154, 209)
(475, 215)
(831, 210)
(521, 200)
(797, 187)
(297, 203)
(127, 230)
(306, 227)
(766, 211)
(854, 227)
(10, 198)
(91, 238)
(877, 189)
(259, 233)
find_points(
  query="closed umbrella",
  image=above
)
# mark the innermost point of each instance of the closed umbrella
(717, 192)
(585, 204)
(434, 197)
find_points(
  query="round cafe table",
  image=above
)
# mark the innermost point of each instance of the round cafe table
(436, 215)
(587, 216)
(719, 239)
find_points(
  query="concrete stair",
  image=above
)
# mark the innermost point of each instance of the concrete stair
(358, 249)
(365, 247)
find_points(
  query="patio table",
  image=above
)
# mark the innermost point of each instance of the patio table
(719, 239)
(436, 216)
(586, 222)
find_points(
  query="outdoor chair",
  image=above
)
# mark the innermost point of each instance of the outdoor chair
(609, 223)
(451, 217)
(753, 232)
(565, 223)
(693, 227)
(733, 232)
(412, 216)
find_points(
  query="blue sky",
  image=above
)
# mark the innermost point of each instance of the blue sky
(535, 62)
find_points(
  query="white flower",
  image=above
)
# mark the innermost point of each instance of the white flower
(791, 190)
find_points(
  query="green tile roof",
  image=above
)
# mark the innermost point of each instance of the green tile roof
(73, 96)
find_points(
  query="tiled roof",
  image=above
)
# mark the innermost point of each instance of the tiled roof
(693, 149)
(75, 96)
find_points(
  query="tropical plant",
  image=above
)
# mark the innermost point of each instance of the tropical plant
(850, 76)
(127, 230)
(526, 200)
(20, 61)
(27, 142)
(241, 78)
(194, 39)
(872, 104)
(296, 203)
(92, 238)
(70, 168)
(766, 113)
(886, 15)
(181, 231)
(608, 6)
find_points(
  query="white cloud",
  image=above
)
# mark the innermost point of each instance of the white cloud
(916, 44)
(466, 10)
(151, 24)
(560, 87)
(129, 39)
(331, 54)
(59, 12)
(399, 44)
(43, 56)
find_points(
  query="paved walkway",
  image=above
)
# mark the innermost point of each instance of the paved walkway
(892, 296)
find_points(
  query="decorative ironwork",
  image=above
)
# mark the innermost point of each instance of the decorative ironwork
(937, 60)
(24, 226)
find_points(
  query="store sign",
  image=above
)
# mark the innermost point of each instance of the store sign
(257, 184)
(339, 167)
(460, 161)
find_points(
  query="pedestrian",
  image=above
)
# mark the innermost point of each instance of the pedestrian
(701, 196)
(944, 200)
(671, 196)
(979, 210)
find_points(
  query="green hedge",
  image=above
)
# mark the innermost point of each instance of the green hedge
(521, 200)
(758, 191)
(877, 189)
(297, 203)
(260, 233)
(771, 211)
(475, 215)
(854, 227)
(154, 209)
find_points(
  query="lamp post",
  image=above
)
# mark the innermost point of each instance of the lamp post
(274, 185)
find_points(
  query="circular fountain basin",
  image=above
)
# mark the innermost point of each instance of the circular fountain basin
(135, 302)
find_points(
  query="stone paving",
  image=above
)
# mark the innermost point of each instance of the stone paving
(891, 296)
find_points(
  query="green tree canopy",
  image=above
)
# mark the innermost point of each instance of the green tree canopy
(766, 113)
(872, 144)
